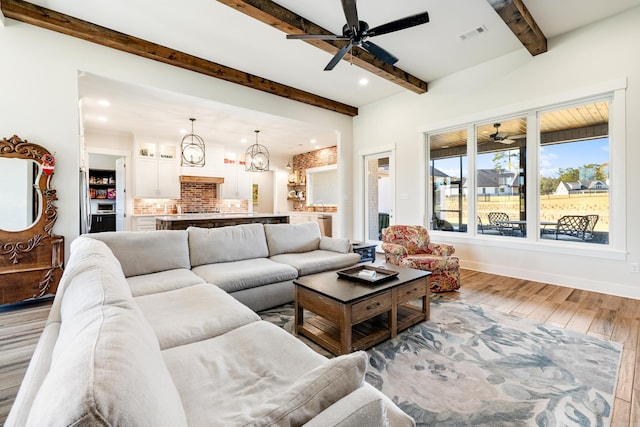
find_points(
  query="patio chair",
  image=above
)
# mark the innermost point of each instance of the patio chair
(496, 222)
(572, 226)
(592, 220)
(410, 246)
(480, 225)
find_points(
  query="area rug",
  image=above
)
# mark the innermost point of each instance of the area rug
(468, 366)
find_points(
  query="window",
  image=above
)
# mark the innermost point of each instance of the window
(571, 148)
(448, 180)
(574, 174)
(501, 199)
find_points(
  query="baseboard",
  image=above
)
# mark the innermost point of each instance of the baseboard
(616, 289)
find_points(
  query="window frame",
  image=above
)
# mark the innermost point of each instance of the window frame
(614, 92)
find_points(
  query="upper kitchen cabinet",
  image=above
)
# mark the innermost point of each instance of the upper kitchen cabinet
(156, 170)
(213, 163)
(237, 182)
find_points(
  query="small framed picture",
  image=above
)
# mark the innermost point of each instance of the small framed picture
(255, 194)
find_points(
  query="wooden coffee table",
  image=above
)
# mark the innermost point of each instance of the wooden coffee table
(354, 316)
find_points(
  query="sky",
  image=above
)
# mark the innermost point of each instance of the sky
(552, 157)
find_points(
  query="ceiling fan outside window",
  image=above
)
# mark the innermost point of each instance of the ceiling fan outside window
(501, 137)
(357, 32)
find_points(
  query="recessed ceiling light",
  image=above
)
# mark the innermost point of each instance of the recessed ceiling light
(102, 119)
(183, 131)
(317, 147)
(104, 103)
(313, 141)
(363, 81)
(243, 140)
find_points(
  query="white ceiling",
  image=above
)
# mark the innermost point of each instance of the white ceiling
(211, 30)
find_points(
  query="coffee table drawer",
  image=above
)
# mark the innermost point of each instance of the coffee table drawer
(370, 307)
(412, 291)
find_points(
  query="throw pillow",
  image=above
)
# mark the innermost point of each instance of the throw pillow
(311, 394)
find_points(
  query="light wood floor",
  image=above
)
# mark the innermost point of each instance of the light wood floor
(601, 315)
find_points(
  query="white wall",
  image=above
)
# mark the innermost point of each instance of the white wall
(39, 100)
(586, 58)
(265, 183)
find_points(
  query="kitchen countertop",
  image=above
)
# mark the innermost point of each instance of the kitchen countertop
(192, 216)
(309, 213)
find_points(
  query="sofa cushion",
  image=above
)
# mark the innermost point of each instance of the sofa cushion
(335, 244)
(317, 261)
(194, 313)
(310, 394)
(230, 374)
(225, 244)
(249, 273)
(162, 281)
(106, 367)
(363, 407)
(289, 238)
(144, 252)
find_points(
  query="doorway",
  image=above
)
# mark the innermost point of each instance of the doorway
(378, 193)
(103, 187)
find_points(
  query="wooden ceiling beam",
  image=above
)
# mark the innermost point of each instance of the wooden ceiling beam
(517, 17)
(289, 22)
(65, 24)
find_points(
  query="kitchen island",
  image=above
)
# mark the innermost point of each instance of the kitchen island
(213, 220)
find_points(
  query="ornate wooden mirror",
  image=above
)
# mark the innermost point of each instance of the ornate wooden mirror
(31, 256)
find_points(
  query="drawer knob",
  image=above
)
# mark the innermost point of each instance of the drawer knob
(372, 306)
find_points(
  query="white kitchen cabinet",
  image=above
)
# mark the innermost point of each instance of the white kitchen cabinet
(156, 171)
(237, 183)
(213, 163)
(144, 223)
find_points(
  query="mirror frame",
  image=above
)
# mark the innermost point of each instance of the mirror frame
(31, 259)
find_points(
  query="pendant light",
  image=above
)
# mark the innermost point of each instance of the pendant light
(256, 157)
(192, 149)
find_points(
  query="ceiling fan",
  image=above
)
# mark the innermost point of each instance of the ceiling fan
(501, 137)
(357, 32)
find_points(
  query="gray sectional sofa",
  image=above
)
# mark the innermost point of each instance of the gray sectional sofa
(255, 263)
(140, 334)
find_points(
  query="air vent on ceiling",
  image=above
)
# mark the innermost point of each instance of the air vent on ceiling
(473, 33)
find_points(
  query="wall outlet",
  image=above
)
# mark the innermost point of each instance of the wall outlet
(634, 267)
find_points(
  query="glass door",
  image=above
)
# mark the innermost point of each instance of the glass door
(378, 191)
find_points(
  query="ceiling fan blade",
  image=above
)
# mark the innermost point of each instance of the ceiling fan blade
(379, 52)
(351, 13)
(400, 24)
(341, 53)
(316, 37)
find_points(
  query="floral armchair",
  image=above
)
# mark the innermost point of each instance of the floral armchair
(409, 246)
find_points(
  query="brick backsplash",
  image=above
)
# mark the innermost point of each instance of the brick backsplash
(198, 197)
(194, 197)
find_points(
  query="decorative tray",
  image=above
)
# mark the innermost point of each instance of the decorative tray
(367, 274)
